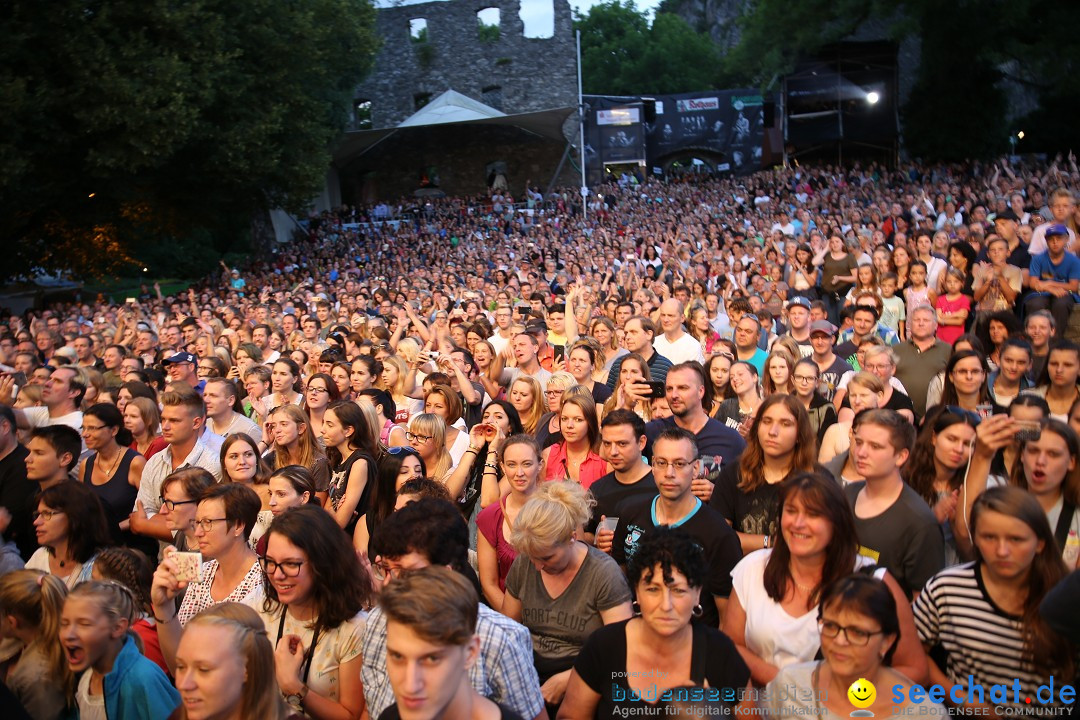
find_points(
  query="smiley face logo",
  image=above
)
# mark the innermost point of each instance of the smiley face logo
(862, 693)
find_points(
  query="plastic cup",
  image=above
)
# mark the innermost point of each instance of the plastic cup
(608, 523)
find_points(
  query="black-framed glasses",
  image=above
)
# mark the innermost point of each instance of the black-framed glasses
(46, 514)
(289, 568)
(854, 635)
(974, 417)
(679, 465)
(173, 504)
(410, 436)
(804, 378)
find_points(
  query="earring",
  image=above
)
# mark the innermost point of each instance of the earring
(698, 611)
(635, 608)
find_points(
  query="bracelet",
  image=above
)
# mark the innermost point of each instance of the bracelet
(159, 621)
(493, 466)
(475, 451)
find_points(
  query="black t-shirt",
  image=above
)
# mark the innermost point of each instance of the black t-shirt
(473, 413)
(705, 525)
(609, 493)
(601, 393)
(714, 664)
(830, 377)
(19, 496)
(753, 513)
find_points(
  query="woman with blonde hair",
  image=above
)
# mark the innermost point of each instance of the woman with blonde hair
(484, 355)
(550, 558)
(527, 397)
(441, 400)
(779, 368)
(293, 443)
(633, 375)
(38, 676)
(231, 640)
(394, 374)
(427, 435)
(547, 430)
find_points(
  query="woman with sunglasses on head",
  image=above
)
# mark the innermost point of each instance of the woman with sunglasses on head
(316, 591)
(859, 626)
(321, 391)
(984, 615)
(71, 527)
(293, 443)
(229, 572)
(396, 467)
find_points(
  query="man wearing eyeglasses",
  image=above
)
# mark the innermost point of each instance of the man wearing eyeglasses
(675, 466)
(431, 532)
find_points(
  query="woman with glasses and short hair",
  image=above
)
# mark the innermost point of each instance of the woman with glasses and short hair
(859, 631)
(230, 572)
(180, 493)
(805, 378)
(316, 592)
(71, 528)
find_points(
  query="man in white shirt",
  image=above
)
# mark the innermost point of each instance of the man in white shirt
(221, 418)
(504, 333)
(676, 344)
(62, 394)
(1062, 205)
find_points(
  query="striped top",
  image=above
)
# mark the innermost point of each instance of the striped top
(980, 639)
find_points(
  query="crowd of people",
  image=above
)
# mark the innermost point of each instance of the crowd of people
(712, 445)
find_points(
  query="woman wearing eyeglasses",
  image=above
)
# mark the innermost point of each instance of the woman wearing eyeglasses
(180, 493)
(230, 569)
(822, 414)
(859, 633)
(396, 467)
(965, 382)
(320, 392)
(316, 591)
(427, 436)
(71, 527)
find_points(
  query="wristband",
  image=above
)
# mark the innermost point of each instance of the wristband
(159, 621)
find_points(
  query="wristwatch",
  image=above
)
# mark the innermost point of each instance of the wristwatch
(297, 699)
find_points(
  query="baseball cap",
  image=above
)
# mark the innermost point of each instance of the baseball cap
(1056, 229)
(800, 301)
(822, 326)
(181, 357)
(536, 326)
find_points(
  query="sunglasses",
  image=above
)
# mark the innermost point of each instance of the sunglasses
(401, 450)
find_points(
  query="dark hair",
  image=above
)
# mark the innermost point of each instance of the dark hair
(820, 493)
(438, 605)
(300, 478)
(111, 417)
(677, 434)
(901, 432)
(1043, 647)
(63, 439)
(1062, 345)
(1070, 484)
(511, 414)
(428, 527)
(140, 389)
(8, 415)
(381, 397)
(262, 471)
(672, 550)
(965, 249)
(331, 386)
(242, 504)
(129, 567)
(425, 487)
(920, 470)
(294, 369)
(621, 416)
(869, 596)
(341, 587)
(88, 530)
(948, 389)
(1030, 399)
(350, 416)
(384, 493)
(1016, 342)
(374, 367)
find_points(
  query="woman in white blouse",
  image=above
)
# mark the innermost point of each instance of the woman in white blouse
(772, 612)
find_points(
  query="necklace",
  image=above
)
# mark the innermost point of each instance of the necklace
(116, 462)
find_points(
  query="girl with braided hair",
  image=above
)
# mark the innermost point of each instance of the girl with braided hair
(132, 569)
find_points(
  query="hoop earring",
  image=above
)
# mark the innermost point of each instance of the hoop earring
(635, 608)
(698, 611)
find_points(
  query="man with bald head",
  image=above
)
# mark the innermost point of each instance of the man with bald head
(921, 356)
(676, 344)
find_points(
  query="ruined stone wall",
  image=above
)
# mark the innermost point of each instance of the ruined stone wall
(512, 73)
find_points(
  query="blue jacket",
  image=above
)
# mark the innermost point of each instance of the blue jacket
(137, 689)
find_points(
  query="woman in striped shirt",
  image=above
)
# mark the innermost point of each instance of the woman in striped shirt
(984, 614)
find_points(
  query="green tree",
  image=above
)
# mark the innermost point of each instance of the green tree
(621, 54)
(127, 124)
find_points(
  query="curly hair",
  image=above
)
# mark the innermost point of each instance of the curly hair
(672, 550)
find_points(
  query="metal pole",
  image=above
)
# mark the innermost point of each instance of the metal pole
(581, 127)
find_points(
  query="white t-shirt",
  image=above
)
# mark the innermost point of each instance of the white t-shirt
(1038, 240)
(237, 424)
(91, 707)
(684, 349)
(39, 417)
(776, 637)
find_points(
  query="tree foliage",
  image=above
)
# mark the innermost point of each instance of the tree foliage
(622, 54)
(133, 123)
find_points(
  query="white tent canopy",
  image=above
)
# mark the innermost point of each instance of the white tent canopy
(450, 107)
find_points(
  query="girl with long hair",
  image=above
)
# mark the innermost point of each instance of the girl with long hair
(316, 591)
(286, 386)
(484, 356)
(581, 360)
(718, 372)
(441, 400)
(965, 386)
(738, 412)
(633, 376)
(602, 330)
(241, 463)
(225, 667)
(427, 435)
(397, 466)
(575, 458)
(476, 478)
(142, 419)
(780, 444)
(321, 391)
(779, 368)
(132, 569)
(341, 372)
(366, 370)
(38, 676)
(806, 377)
(293, 443)
(527, 397)
(395, 373)
(352, 450)
(997, 596)
(1058, 383)
(771, 614)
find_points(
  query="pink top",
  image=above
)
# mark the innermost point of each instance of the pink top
(949, 333)
(592, 469)
(915, 298)
(489, 523)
